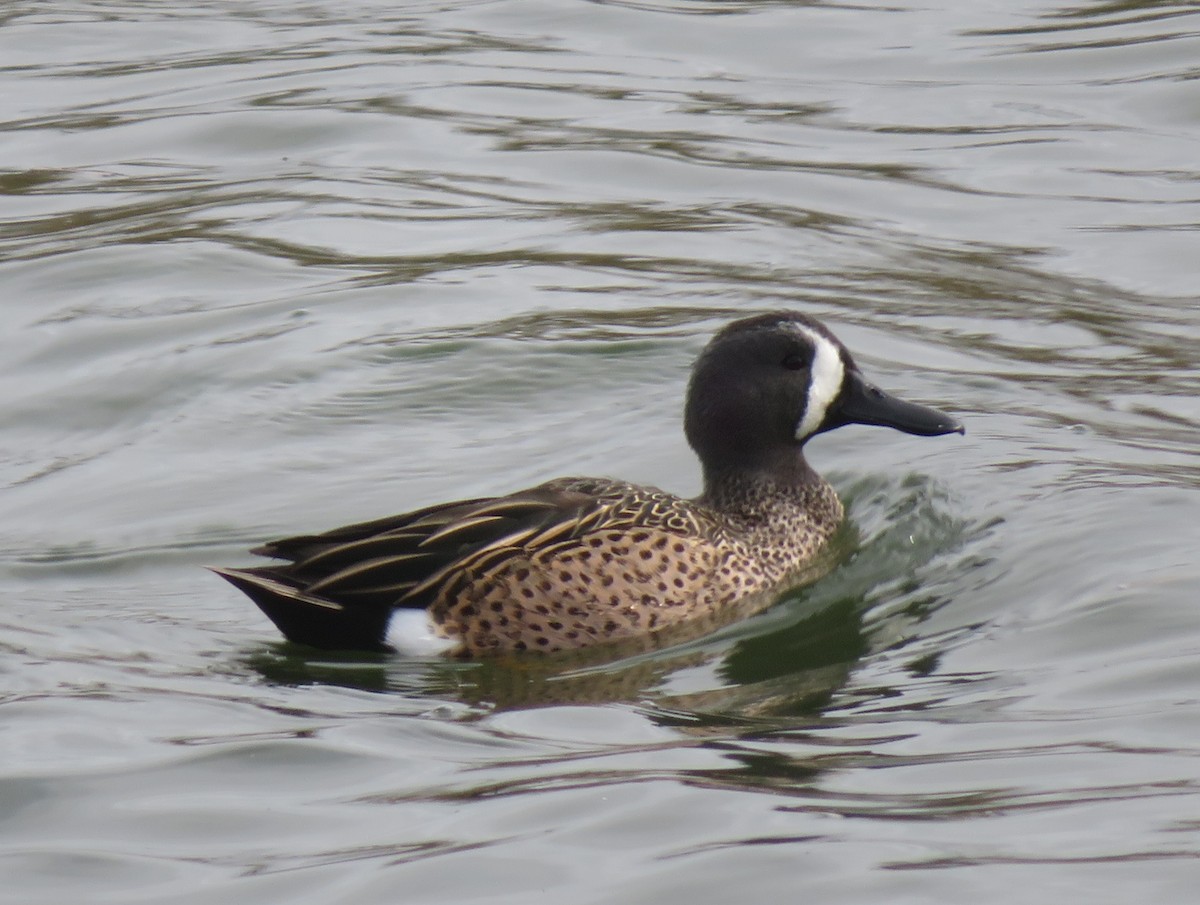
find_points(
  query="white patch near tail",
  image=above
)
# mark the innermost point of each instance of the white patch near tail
(413, 634)
(825, 380)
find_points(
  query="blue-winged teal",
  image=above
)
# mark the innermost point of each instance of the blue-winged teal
(580, 561)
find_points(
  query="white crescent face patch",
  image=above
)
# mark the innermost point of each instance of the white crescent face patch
(825, 380)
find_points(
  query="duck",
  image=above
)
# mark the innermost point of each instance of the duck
(578, 562)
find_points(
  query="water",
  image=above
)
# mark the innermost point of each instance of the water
(271, 268)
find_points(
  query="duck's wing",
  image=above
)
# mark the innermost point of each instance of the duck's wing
(338, 589)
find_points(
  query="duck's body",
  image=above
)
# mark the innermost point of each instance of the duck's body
(567, 564)
(579, 561)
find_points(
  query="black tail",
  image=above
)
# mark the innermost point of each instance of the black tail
(310, 620)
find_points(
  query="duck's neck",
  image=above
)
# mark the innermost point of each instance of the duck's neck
(758, 492)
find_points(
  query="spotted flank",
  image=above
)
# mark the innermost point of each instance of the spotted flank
(577, 562)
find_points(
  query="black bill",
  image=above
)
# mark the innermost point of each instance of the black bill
(864, 403)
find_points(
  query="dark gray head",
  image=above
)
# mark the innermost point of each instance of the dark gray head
(766, 384)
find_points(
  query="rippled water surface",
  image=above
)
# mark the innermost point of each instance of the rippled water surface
(270, 267)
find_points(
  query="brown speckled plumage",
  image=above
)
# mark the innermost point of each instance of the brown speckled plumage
(580, 561)
(635, 560)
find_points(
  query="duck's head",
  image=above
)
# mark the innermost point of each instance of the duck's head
(765, 385)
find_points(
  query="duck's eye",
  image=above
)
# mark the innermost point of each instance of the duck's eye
(796, 361)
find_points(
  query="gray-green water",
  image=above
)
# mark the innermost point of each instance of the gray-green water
(272, 267)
